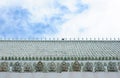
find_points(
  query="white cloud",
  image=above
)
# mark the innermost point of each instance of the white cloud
(48, 12)
(7, 3)
(100, 20)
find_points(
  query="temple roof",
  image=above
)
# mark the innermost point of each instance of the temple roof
(60, 48)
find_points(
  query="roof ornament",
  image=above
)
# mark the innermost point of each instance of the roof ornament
(98, 38)
(53, 38)
(41, 39)
(102, 38)
(90, 38)
(49, 38)
(74, 38)
(63, 39)
(114, 38)
(118, 39)
(110, 38)
(82, 38)
(106, 38)
(57, 38)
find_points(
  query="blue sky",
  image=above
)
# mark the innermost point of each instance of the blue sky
(59, 18)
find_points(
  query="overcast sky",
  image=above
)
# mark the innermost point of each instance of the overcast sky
(59, 18)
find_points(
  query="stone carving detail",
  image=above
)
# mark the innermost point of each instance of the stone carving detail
(4, 67)
(64, 66)
(88, 67)
(39, 66)
(56, 66)
(76, 66)
(27, 67)
(112, 67)
(99, 67)
(52, 67)
(16, 67)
